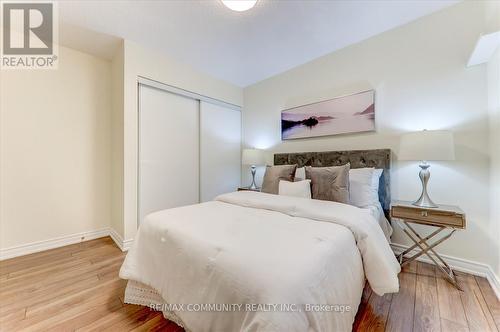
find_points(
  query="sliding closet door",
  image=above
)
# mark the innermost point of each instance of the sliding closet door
(168, 150)
(220, 144)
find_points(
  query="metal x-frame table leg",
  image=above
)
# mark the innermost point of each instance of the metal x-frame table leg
(427, 248)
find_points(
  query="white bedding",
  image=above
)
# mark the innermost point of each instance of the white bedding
(385, 225)
(255, 248)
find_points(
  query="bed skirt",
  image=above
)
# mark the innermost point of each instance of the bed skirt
(140, 294)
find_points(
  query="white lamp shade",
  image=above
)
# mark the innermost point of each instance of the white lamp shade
(253, 157)
(427, 145)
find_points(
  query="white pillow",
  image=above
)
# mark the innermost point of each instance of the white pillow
(300, 174)
(360, 186)
(363, 186)
(377, 173)
(295, 189)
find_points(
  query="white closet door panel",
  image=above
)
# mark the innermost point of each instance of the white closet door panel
(220, 150)
(168, 150)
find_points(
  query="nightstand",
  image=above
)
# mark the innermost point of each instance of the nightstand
(247, 189)
(446, 218)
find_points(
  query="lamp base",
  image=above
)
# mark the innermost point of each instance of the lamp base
(424, 200)
(253, 186)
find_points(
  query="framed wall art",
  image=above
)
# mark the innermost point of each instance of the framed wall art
(342, 115)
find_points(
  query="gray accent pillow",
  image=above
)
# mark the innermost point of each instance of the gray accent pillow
(274, 174)
(329, 183)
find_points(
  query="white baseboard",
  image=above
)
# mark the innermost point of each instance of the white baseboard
(124, 245)
(460, 264)
(62, 241)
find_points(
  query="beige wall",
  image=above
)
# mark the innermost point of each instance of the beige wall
(493, 72)
(117, 73)
(419, 74)
(55, 150)
(492, 16)
(139, 61)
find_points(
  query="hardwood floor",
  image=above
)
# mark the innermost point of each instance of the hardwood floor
(427, 302)
(76, 288)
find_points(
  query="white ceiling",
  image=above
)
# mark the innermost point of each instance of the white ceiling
(244, 47)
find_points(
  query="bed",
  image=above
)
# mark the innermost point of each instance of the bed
(252, 261)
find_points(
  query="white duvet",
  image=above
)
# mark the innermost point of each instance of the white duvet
(281, 255)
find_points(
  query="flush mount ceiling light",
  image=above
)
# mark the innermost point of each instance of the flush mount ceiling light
(239, 5)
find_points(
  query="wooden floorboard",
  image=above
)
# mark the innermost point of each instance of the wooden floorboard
(476, 310)
(402, 309)
(451, 309)
(491, 299)
(77, 288)
(426, 302)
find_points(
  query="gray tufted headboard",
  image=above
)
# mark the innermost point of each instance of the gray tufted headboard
(380, 158)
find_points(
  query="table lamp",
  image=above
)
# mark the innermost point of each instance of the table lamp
(253, 157)
(424, 146)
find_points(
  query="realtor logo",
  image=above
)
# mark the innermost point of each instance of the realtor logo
(29, 35)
